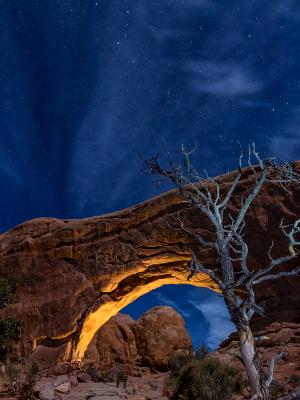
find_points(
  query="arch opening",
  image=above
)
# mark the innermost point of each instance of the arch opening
(126, 292)
(204, 311)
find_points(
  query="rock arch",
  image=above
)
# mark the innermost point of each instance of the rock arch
(72, 275)
(108, 307)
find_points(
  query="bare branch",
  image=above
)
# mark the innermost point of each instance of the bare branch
(231, 190)
(196, 267)
(284, 173)
(256, 155)
(168, 155)
(249, 160)
(269, 251)
(274, 263)
(251, 297)
(186, 157)
(249, 200)
(294, 272)
(257, 277)
(291, 235)
(252, 306)
(233, 276)
(276, 358)
(240, 157)
(195, 235)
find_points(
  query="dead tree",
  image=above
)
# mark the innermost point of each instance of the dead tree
(233, 274)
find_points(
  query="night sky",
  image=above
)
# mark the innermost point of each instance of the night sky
(86, 85)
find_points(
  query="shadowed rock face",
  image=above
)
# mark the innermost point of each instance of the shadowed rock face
(73, 275)
(114, 342)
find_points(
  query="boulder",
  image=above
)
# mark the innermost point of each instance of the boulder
(64, 387)
(160, 333)
(73, 380)
(84, 377)
(113, 343)
(150, 341)
(46, 392)
(60, 380)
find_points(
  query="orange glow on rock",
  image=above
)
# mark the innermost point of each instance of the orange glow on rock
(95, 319)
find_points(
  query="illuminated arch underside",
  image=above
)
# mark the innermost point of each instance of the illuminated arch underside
(122, 294)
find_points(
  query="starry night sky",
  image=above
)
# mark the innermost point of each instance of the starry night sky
(86, 85)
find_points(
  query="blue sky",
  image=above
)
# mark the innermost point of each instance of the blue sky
(204, 312)
(86, 85)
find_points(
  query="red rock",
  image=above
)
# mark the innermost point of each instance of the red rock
(47, 357)
(46, 392)
(272, 339)
(73, 380)
(73, 275)
(113, 343)
(151, 341)
(160, 333)
(8, 398)
(60, 380)
(84, 377)
(64, 387)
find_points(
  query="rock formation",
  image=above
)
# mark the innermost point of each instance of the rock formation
(149, 342)
(115, 342)
(160, 333)
(73, 275)
(272, 339)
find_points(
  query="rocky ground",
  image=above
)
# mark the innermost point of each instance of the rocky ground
(79, 386)
(136, 388)
(135, 353)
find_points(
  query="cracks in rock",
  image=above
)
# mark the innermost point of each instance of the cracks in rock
(95, 235)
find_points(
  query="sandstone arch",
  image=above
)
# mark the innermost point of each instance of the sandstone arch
(73, 274)
(110, 307)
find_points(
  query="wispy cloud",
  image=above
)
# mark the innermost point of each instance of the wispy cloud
(215, 312)
(201, 305)
(172, 303)
(221, 79)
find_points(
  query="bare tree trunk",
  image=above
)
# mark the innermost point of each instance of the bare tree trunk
(232, 270)
(252, 365)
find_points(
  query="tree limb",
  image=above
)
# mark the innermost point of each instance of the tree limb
(196, 267)
(264, 278)
(276, 358)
